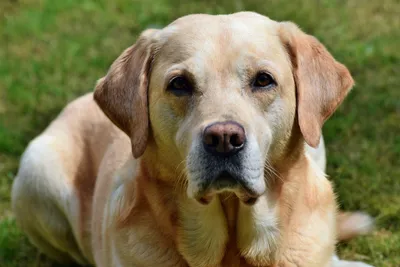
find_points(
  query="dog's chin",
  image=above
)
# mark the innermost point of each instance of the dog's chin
(248, 193)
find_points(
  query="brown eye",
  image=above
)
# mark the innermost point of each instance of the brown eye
(180, 86)
(263, 80)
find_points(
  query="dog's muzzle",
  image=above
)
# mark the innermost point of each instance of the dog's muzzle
(225, 163)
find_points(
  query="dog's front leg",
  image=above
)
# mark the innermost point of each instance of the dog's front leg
(203, 234)
(258, 232)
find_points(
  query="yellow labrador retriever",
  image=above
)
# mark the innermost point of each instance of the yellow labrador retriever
(216, 111)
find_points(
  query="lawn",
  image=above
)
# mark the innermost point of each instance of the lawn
(53, 51)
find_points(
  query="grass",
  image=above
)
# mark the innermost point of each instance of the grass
(53, 51)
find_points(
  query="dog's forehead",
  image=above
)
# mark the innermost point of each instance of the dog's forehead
(213, 35)
(202, 21)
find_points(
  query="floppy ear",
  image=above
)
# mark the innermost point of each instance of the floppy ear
(321, 82)
(122, 93)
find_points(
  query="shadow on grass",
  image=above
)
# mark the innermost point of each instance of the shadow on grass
(16, 250)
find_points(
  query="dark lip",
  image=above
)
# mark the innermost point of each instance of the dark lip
(250, 201)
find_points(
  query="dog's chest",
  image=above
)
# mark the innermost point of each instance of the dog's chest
(253, 234)
(225, 234)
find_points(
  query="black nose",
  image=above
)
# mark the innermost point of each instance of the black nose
(224, 138)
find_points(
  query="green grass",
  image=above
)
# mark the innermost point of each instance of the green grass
(53, 51)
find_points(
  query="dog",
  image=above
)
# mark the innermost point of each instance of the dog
(200, 147)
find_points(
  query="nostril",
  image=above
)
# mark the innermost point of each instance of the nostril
(211, 140)
(236, 140)
(214, 141)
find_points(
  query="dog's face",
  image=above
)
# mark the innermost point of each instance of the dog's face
(224, 97)
(223, 93)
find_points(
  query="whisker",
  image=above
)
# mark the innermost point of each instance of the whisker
(270, 169)
(183, 161)
(180, 182)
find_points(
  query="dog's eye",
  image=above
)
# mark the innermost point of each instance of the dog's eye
(263, 80)
(180, 86)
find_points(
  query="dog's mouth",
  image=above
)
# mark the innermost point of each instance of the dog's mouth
(228, 182)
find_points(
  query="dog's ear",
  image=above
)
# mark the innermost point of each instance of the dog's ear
(122, 93)
(321, 82)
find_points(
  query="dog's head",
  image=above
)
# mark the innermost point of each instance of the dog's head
(219, 96)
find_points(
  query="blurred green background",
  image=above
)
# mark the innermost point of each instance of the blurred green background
(53, 51)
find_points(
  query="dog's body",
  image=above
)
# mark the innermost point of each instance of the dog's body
(80, 194)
